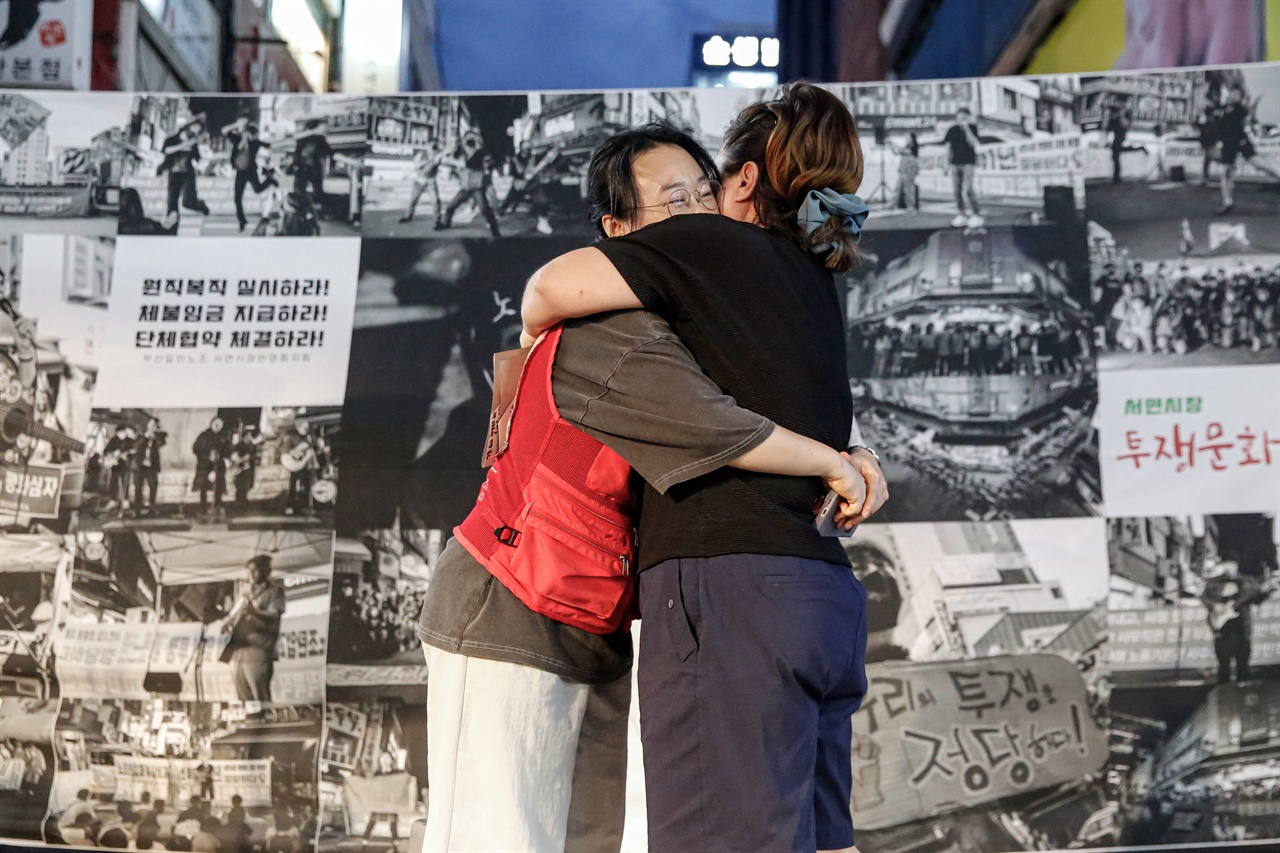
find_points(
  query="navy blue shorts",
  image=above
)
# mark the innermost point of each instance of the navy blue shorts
(750, 667)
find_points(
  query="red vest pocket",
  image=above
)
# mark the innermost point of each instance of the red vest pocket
(565, 566)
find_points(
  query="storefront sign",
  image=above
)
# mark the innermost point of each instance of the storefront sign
(54, 52)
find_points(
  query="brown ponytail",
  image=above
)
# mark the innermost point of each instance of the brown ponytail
(805, 140)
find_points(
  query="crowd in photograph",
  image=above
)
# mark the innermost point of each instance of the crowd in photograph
(287, 827)
(35, 769)
(1168, 311)
(1210, 809)
(887, 350)
(372, 621)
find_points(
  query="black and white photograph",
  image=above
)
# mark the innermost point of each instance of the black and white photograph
(164, 774)
(33, 608)
(984, 727)
(203, 615)
(169, 469)
(1194, 649)
(1204, 291)
(26, 763)
(269, 166)
(373, 773)
(379, 585)
(965, 153)
(48, 368)
(373, 770)
(1182, 144)
(973, 371)
(63, 158)
(413, 425)
(498, 165)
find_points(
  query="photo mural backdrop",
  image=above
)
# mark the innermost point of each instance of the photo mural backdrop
(1064, 343)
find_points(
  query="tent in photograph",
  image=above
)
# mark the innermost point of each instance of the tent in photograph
(30, 554)
(200, 556)
(17, 723)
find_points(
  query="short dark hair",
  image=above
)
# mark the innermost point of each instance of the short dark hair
(236, 799)
(611, 182)
(114, 837)
(83, 794)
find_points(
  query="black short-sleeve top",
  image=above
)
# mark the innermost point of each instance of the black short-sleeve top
(763, 319)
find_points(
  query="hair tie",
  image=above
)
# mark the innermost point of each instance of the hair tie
(821, 205)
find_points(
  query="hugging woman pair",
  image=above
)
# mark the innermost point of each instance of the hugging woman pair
(711, 363)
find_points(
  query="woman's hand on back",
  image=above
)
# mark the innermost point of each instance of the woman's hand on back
(850, 484)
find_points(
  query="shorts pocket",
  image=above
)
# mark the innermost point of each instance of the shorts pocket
(685, 610)
(823, 580)
(800, 585)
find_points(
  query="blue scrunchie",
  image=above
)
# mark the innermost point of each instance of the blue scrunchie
(820, 205)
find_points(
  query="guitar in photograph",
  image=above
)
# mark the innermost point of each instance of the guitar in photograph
(1223, 611)
(298, 458)
(20, 428)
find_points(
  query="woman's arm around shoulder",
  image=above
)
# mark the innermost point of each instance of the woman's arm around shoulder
(576, 284)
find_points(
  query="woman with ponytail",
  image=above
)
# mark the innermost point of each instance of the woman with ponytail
(751, 662)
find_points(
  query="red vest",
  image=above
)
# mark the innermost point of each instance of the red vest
(553, 520)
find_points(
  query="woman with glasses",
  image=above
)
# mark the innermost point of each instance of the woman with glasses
(527, 714)
(751, 661)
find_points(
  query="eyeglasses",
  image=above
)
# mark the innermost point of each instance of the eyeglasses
(683, 201)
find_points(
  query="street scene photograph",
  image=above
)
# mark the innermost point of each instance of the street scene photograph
(168, 469)
(169, 775)
(984, 727)
(51, 290)
(380, 581)
(968, 153)
(198, 615)
(63, 159)
(1194, 650)
(973, 374)
(1182, 144)
(502, 166)
(264, 167)
(373, 772)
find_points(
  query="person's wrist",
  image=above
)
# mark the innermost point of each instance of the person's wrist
(834, 465)
(863, 451)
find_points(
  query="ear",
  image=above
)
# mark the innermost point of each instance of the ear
(614, 226)
(741, 188)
